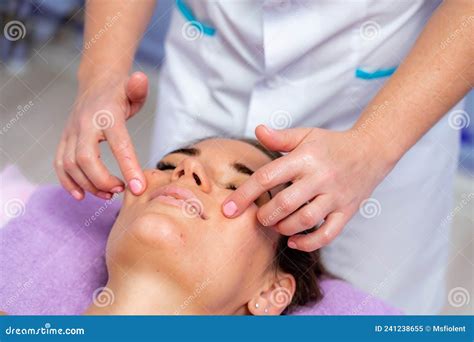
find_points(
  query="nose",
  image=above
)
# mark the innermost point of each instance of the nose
(191, 170)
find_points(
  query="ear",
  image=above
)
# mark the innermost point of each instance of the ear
(275, 296)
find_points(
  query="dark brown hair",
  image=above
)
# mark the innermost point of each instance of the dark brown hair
(306, 267)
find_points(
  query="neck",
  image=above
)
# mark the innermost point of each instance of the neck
(135, 294)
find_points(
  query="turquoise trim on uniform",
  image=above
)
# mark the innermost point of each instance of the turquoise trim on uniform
(359, 73)
(189, 16)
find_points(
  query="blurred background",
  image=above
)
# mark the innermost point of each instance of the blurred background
(38, 64)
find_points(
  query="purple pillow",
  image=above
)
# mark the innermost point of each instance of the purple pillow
(52, 260)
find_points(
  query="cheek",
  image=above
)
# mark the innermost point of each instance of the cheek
(238, 245)
(254, 243)
(234, 256)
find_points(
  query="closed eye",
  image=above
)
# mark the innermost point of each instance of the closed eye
(231, 187)
(165, 166)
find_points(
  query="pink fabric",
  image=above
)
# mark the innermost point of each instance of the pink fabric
(52, 260)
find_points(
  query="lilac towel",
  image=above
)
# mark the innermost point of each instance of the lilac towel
(52, 260)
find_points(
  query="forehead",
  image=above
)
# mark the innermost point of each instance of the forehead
(231, 150)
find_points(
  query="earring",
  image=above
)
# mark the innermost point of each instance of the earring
(265, 310)
(257, 305)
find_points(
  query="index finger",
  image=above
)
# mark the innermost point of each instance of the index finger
(279, 171)
(88, 158)
(123, 150)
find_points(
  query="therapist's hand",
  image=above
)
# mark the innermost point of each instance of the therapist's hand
(332, 171)
(99, 113)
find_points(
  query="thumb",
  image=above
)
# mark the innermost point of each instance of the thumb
(284, 140)
(137, 91)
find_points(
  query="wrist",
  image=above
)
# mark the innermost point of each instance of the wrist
(375, 148)
(89, 73)
(89, 77)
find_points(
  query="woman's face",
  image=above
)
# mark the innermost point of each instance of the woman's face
(177, 227)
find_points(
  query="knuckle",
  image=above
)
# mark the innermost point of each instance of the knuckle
(84, 158)
(283, 203)
(326, 237)
(308, 160)
(307, 217)
(58, 164)
(69, 164)
(263, 177)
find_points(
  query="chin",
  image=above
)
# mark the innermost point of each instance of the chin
(152, 237)
(160, 230)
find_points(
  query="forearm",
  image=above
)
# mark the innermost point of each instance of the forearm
(113, 30)
(436, 74)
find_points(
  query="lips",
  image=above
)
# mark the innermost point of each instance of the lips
(182, 198)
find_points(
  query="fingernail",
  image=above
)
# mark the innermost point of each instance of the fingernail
(76, 194)
(117, 189)
(291, 244)
(230, 208)
(104, 195)
(269, 129)
(135, 185)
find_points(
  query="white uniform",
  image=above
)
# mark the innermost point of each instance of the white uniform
(317, 64)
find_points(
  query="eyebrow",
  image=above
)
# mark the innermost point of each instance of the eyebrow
(239, 167)
(189, 151)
